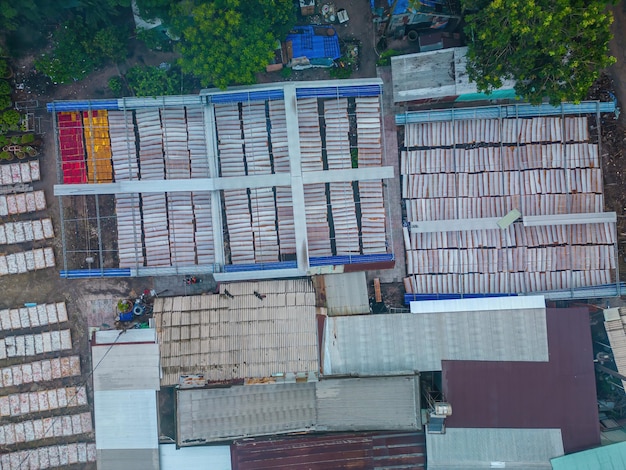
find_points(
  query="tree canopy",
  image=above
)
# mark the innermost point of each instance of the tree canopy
(226, 42)
(551, 48)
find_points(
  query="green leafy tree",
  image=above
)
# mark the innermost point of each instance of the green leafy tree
(226, 42)
(551, 48)
(72, 57)
(110, 43)
(79, 50)
(153, 81)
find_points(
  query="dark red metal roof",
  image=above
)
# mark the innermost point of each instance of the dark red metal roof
(560, 393)
(365, 451)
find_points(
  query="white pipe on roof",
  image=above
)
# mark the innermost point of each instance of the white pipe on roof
(508, 111)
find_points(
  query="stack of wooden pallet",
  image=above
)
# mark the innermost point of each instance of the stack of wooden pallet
(203, 235)
(181, 224)
(151, 144)
(128, 230)
(196, 143)
(262, 203)
(24, 261)
(98, 145)
(156, 229)
(238, 219)
(337, 128)
(25, 172)
(318, 232)
(123, 145)
(22, 203)
(175, 146)
(280, 153)
(30, 230)
(519, 258)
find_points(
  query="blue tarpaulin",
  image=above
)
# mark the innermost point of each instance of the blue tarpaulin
(401, 7)
(313, 42)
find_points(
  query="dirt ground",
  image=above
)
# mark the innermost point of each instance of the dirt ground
(614, 134)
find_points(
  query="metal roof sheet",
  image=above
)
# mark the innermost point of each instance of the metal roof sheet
(614, 324)
(143, 335)
(126, 367)
(240, 336)
(364, 404)
(505, 394)
(493, 448)
(210, 415)
(206, 457)
(348, 404)
(442, 73)
(376, 344)
(128, 459)
(126, 419)
(346, 294)
(609, 457)
(479, 305)
(362, 451)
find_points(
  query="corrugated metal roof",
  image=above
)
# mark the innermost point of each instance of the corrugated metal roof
(479, 304)
(376, 344)
(364, 404)
(126, 419)
(363, 451)
(201, 457)
(442, 74)
(210, 415)
(126, 378)
(513, 394)
(610, 457)
(615, 325)
(346, 294)
(126, 367)
(128, 459)
(143, 335)
(241, 336)
(486, 448)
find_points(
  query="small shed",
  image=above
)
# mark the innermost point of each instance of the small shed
(346, 293)
(439, 75)
(126, 380)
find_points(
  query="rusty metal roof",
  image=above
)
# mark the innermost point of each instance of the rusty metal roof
(366, 451)
(236, 334)
(559, 394)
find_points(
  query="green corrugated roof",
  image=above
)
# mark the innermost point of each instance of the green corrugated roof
(611, 457)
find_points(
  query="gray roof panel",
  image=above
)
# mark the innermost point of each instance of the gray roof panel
(364, 404)
(209, 415)
(467, 448)
(397, 343)
(347, 404)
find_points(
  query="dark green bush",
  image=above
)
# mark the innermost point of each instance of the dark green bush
(5, 101)
(28, 138)
(5, 88)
